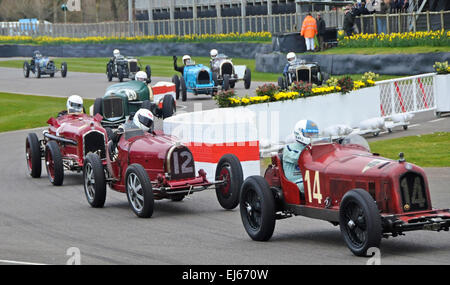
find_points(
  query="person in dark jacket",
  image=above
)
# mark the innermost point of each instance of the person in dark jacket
(321, 27)
(349, 22)
(180, 69)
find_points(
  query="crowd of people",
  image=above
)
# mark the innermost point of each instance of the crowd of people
(367, 7)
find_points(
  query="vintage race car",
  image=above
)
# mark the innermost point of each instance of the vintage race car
(42, 65)
(125, 67)
(368, 196)
(300, 70)
(122, 99)
(66, 143)
(226, 74)
(152, 166)
(196, 79)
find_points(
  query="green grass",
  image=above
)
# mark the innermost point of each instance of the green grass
(162, 66)
(387, 50)
(424, 150)
(19, 112)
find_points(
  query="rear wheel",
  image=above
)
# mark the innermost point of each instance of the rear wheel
(54, 163)
(360, 221)
(229, 170)
(139, 191)
(257, 208)
(109, 73)
(183, 89)
(98, 106)
(248, 78)
(226, 82)
(281, 83)
(176, 81)
(26, 69)
(120, 73)
(94, 181)
(168, 108)
(33, 155)
(38, 72)
(64, 70)
(232, 84)
(148, 70)
(215, 79)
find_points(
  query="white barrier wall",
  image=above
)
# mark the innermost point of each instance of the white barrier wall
(442, 93)
(275, 121)
(214, 133)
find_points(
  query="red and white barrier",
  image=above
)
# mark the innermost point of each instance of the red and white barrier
(212, 134)
(162, 89)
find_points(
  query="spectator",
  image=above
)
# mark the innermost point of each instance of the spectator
(321, 26)
(405, 6)
(309, 31)
(381, 8)
(349, 22)
(393, 6)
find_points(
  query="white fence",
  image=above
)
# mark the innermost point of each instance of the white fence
(407, 95)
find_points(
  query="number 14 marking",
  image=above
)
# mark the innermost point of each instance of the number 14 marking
(316, 194)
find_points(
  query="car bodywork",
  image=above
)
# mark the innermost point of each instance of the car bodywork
(122, 99)
(169, 168)
(76, 135)
(301, 70)
(198, 79)
(222, 65)
(331, 170)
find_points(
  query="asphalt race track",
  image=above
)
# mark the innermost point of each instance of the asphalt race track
(39, 222)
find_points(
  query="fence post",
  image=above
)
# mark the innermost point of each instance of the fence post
(414, 21)
(442, 20)
(375, 28)
(428, 21)
(388, 23)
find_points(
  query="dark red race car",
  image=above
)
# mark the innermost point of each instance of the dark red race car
(150, 166)
(66, 143)
(368, 196)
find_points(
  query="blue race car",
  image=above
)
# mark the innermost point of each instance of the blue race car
(196, 79)
(42, 65)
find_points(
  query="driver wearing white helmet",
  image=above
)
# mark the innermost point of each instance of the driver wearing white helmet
(186, 59)
(143, 119)
(74, 105)
(304, 131)
(141, 76)
(116, 53)
(291, 57)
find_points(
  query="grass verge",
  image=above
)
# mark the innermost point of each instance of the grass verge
(19, 112)
(387, 50)
(162, 66)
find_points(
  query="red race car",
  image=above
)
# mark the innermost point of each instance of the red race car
(368, 196)
(66, 143)
(150, 166)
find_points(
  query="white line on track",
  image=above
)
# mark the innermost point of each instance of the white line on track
(413, 126)
(437, 120)
(20, 262)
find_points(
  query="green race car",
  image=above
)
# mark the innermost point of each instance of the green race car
(122, 99)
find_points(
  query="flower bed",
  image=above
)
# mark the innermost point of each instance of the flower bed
(271, 93)
(231, 37)
(431, 38)
(442, 67)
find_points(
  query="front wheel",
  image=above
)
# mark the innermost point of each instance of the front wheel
(257, 208)
(176, 81)
(94, 181)
(360, 222)
(226, 82)
(64, 70)
(33, 155)
(26, 69)
(98, 106)
(247, 78)
(38, 71)
(148, 70)
(229, 170)
(120, 73)
(183, 89)
(168, 107)
(139, 191)
(54, 163)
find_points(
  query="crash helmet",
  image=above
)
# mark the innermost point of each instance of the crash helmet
(141, 76)
(186, 58)
(116, 53)
(37, 54)
(214, 53)
(75, 104)
(305, 130)
(291, 57)
(143, 119)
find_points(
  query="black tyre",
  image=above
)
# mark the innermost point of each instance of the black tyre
(257, 208)
(120, 74)
(248, 78)
(139, 191)
(215, 79)
(148, 70)
(98, 106)
(281, 83)
(168, 108)
(64, 69)
(33, 155)
(360, 221)
(94, 181)
(176, 81)
(38, 72)
(109, 73)
(183, 89)
(54, 163)
(405, 127)
(226, 82)
(26, 69)
(232, 84)
(52, 75)
(229, 169)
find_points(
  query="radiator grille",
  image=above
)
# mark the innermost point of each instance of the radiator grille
(94, 142)
(413, 191)
(113, 107)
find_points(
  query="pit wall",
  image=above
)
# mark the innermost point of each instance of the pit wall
(212, 134)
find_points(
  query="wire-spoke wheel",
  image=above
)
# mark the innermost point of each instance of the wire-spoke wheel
(94, 181)
(33, 155)
(54, 163)
(229, 170)
(139, 191)
(360, 221)
(257, 208)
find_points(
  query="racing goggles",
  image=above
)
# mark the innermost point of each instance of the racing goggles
(310, 133)
(75, 108)
(146, 121)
